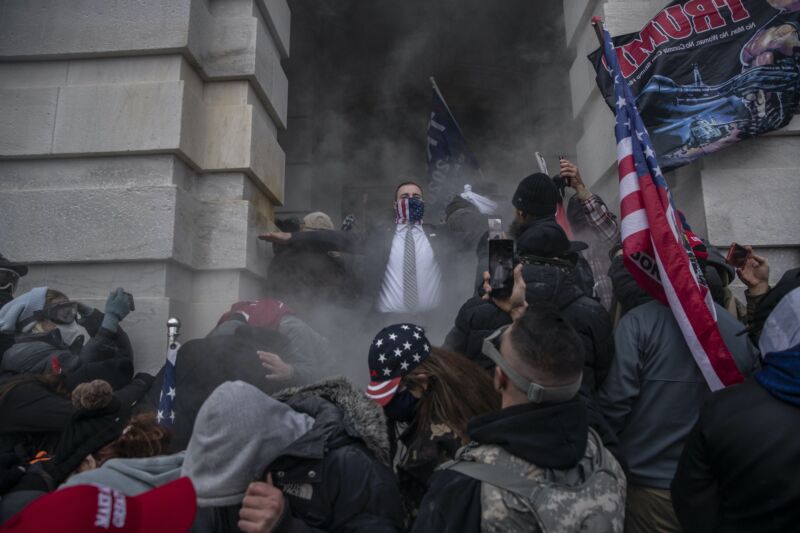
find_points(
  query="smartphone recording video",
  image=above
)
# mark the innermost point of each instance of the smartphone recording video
(737, 256)
(501, 267)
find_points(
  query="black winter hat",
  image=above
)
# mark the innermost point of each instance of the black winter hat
(536, 195)
(96, 422)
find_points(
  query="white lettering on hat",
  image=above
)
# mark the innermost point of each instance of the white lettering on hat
(103, 517)
(120, 509)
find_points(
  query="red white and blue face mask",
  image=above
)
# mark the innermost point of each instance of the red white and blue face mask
(409, 211)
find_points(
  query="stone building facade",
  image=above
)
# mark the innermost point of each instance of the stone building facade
(138, 148)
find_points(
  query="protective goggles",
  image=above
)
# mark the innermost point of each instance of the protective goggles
(61, 313)
(536, 393)
(8, 279)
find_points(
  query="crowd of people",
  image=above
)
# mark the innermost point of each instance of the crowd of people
(571, 402)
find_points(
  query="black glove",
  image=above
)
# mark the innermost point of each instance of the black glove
(146, 378)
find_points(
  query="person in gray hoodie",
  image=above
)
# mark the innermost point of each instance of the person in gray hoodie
(325, 446)
(131, 476)
(653, 395)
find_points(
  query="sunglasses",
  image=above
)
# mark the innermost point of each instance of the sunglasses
(8, 279)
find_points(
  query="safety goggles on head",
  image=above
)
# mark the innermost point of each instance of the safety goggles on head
(536, 393)
(8, 279)
(61, 313)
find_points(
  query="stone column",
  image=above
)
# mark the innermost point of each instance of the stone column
(138, 148)
(749, 193)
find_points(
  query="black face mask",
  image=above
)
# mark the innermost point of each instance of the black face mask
(402, 408)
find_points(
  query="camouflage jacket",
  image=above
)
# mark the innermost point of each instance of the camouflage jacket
(520, 496)
(419, 451)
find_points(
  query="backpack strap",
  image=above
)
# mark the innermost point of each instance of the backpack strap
(494, 475)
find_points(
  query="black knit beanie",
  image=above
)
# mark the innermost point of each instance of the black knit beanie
(96, 422)
(536, 195)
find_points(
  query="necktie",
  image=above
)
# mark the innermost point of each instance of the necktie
(410, 296)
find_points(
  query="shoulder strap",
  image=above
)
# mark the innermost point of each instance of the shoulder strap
(497, 476)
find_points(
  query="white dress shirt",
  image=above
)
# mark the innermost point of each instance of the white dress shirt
(429, 276)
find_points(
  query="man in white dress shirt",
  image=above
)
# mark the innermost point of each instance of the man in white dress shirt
(402, 274)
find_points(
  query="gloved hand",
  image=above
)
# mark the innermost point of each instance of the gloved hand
(84, 310)
(146, 378)
(117, 308)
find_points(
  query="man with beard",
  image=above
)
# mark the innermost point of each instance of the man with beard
(402, 276)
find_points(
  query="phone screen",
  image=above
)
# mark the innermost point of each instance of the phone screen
(737, 255)
(495, 228)
(501, 266)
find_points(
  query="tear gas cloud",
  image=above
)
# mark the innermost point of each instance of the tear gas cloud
(360, 100)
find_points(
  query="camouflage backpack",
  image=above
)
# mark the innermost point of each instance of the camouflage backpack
(519, 496)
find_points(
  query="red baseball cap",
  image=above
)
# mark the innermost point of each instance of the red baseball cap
(87, 508)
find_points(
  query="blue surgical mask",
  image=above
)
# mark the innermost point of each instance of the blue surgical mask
(402, 408)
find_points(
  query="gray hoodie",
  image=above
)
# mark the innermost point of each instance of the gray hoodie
(238, 432)
(132, 476)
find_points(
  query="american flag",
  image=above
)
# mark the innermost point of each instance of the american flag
(655, 248)
(409, 211)
(166, 401)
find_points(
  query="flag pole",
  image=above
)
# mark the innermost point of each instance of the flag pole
(441, 97)
(597, 24)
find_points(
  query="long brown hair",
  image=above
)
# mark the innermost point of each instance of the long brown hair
(454, 390)
(143, 437)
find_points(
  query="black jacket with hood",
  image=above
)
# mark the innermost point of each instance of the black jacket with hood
(549, 436)
(552, 281)
(345, 457)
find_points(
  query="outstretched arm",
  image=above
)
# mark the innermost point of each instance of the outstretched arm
(323, 240)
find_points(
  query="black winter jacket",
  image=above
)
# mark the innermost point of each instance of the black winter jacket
(337, 476)
(740, 465)
(545, 282)
(550, 436)
(107, 356)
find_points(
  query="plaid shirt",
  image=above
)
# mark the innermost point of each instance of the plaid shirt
(600, 218)
(604, 228)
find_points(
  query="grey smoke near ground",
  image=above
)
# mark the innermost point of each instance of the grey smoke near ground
(359, 101)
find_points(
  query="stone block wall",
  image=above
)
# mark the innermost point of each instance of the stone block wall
(748, 193)
(138, 148)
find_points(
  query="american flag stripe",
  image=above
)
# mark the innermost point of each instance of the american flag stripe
(655, 249)
(378, 395)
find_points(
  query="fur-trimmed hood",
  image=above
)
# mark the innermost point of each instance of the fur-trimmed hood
(362, 418)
